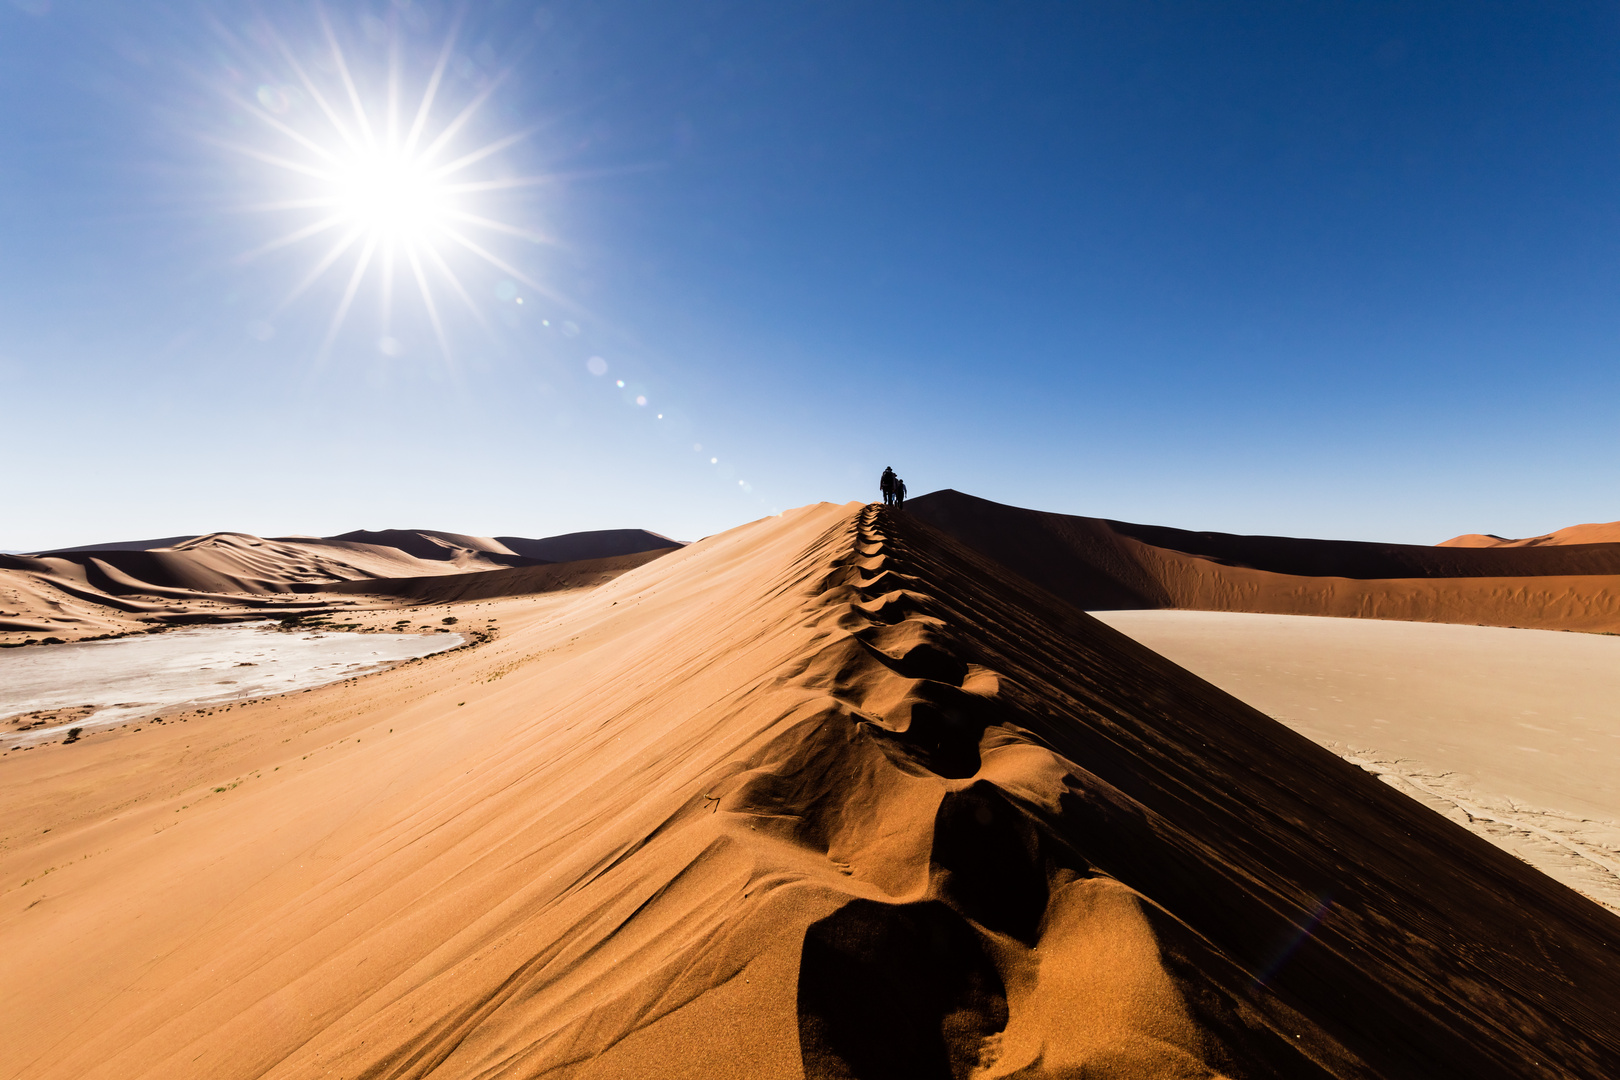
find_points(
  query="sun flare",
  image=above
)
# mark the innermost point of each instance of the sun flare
(388, 185)
(393, 198)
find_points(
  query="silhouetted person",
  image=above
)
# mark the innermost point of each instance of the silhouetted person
(887, 484)
(899, 494)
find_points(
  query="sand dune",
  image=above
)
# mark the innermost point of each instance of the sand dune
(124, 545)
(600, 544)
(1099, 564)
(829, 795)
(492, 584)
(431, 545)
(1606, 533)
(240, 564)
(116, 587)
(76, 594)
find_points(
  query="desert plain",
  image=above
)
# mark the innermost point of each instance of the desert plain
(849, 792)
(1512, 733)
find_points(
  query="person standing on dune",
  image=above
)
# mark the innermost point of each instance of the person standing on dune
(887, 484)
(899, 494)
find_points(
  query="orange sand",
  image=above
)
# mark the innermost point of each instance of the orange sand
(827, 795)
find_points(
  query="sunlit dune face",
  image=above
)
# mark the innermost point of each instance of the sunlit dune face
(391, 197)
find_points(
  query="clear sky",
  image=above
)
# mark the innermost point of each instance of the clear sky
(1311, 268)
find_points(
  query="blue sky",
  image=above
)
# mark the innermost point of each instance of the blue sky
(1325, 269)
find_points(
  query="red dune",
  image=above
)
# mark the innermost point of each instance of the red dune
(1099, 564)
(829, 795)
(1607, 533)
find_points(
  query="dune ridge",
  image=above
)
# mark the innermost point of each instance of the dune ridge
(123, 545)
(600, 544)
(829, 795)
(117, 587)
(1592, 533)
(429, 544)
(1098, 564)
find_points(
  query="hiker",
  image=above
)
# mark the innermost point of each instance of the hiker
(887, 484)
(899, 494)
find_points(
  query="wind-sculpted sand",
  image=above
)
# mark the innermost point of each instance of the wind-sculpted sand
(123, 587)
(828, 795)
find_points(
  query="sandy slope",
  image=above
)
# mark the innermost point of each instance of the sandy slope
(1099, 565)
(826, 795)
(1605, 533)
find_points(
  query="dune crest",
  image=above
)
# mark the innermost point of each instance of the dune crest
(1604, 533)
(829, 795)
(599, 544)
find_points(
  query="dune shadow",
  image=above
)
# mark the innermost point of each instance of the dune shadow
(895, 992)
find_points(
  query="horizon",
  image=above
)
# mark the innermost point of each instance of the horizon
(1337, 272)
(499, 536)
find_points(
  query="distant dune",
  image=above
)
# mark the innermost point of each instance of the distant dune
(828, 795)
(1606, 533)
(125, 545)
(113, 587)
(492, 584)
(601, 544)
(431, 545)
(1098, 564)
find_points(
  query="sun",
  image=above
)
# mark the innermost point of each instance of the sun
(385, 193)
(391, 197)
